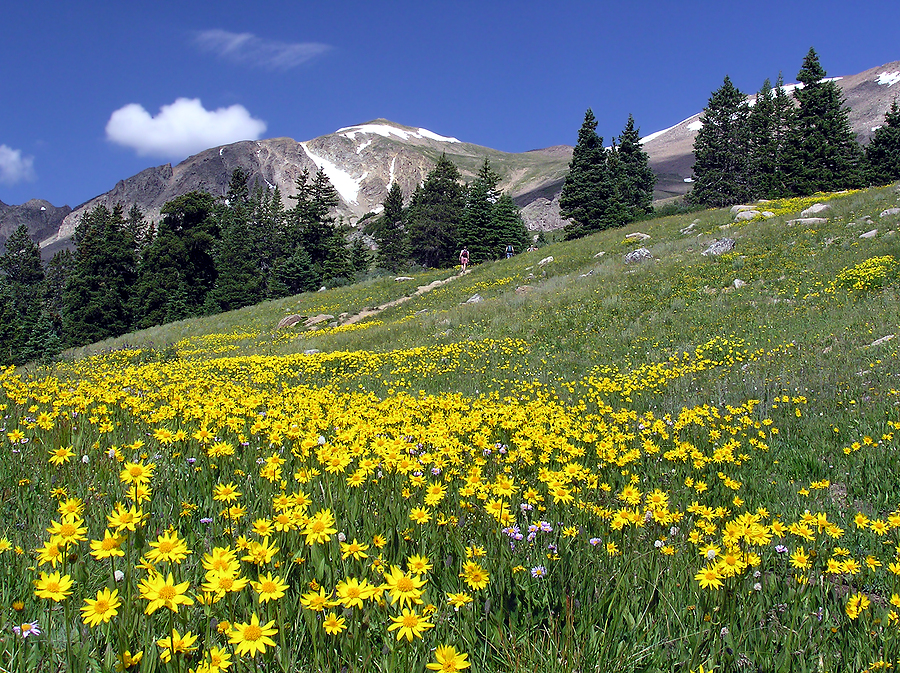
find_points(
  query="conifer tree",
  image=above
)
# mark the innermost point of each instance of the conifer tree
(97, 293)
(589, 197)
(508, 225)
(477, 230)
(435, 216)
(635, 179)
(178, 260)
(389, 232)
(823, 153)
(722, 152)
(239, 281)
(883, 151)
(11, 338)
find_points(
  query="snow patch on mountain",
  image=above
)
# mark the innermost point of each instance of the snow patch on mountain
(888, 78)
(345, 184)
(386, 131)
(695, 126)
(364, 145)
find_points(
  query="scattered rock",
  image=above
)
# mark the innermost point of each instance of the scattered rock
(808, 221)
(318, 319)
(827, 350)
(746, 215)
(585, 275)
(343, 316)
(546, 260)
(400, 279)
(523, 289)
(637, 236)
(474, 299)
(322, 289)
(311, 351)
(289, 321)
(720, 247)
(530, 276)
(738, 283)
(600, 254)
(639, 255)
(768, 214)
(689, 229)
(725, 227)
(872, 233)
(740, 209)
(422, 312)
(890, 211)
(815, 209)
(882, 340)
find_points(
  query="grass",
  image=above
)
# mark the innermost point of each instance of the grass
(655, 469)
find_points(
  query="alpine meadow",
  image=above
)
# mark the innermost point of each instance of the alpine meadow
(657, 439)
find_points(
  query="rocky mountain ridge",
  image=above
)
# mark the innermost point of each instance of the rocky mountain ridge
(363, 161)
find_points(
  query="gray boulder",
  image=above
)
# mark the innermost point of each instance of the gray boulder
(289, 321)
(808, 221)
(719, 247)
(746, 215)
(869, 234)
(815, 209)
(889, 212)
(639, 255)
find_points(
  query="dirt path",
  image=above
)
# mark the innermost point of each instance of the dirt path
(422, 289)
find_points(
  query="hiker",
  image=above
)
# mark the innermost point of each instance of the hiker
(510, 251)
(464, 259)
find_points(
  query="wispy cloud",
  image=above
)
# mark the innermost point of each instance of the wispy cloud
(182, 128)
(14, 167)
(249, 49)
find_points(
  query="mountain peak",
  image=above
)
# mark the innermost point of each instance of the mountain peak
(387, 128)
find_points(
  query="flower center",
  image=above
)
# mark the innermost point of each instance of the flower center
(167, 593)
(404, 584)
(253, 632)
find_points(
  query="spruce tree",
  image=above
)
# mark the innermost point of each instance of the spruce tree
(435, 216)
(477, 230)
(722, 152)
(11, 337)
(883, 151)
(508, 224)
(589, 197)
(635, 179)
(179, 259)
(97, 295)
(824, 154)
(239, 281)
(389, 232)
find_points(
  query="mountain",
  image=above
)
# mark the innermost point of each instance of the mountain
(363, 161)
(42, 218)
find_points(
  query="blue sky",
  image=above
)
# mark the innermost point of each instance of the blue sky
(94, 92)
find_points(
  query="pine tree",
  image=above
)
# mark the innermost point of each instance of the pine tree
(589, 197)
(635, 179)
(477, 231)
(823, 152)
(97, 293)
(360, 258)
(179, 256)
(435, 216)
(883, 151)
(722, 152)
(508, 224)
(11, 338)
(239, 281)
(389, 232)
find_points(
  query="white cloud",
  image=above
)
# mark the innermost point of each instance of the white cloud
(14, 167)
(182, 128)
(252, 50)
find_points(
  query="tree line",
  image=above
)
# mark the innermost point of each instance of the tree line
(208, 255)
(787, 145)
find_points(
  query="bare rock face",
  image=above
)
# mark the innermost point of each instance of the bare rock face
(42, 218)
(542, 214)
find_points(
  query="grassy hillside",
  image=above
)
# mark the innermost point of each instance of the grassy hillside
(599, 466)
